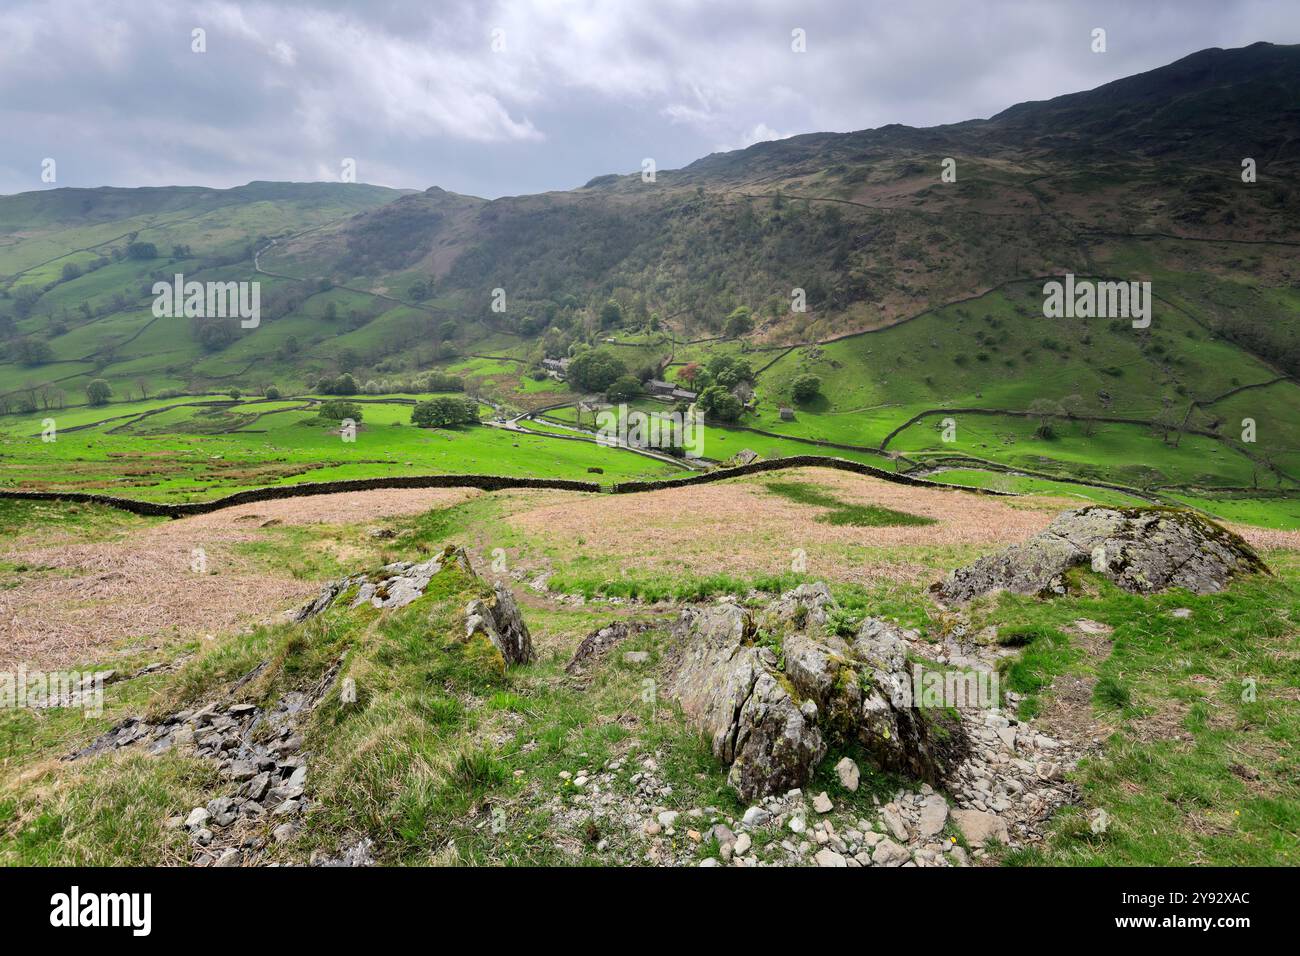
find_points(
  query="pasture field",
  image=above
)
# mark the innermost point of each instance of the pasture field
(197, 451)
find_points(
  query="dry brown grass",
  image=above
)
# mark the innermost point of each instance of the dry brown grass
(84, 596)
(737, 527)
(1268, 539)
(90, 595)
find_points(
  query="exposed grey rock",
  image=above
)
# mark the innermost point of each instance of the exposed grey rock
(827, 857)
(357, 854)
(934, 814)
(1141, 549)
(814, 668)
(889, 853)
(894, 823)
(771, 724)
(806, 604)
(725, 688)
(881, 644)
(393, 586)
(848, 773)
(499, 619)
(979, 826)
(197, 818)
(756, 817)
(323, 600)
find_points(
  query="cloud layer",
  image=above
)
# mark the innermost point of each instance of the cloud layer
(515, 96)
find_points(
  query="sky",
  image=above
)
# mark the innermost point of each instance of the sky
(504, 97)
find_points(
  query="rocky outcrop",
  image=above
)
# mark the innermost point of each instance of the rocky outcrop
(596, 645)
(260, 760)
(728, 687)
(770, 717)
(499, 620)
(1141, 549)
(392, 586)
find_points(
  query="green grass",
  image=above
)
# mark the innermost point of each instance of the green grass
(1200, 766)
(842, 513)
(195, 452)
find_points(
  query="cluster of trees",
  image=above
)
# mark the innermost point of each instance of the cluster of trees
(31, 398)
(29, 351)
(724, 370)
(344, 384)
(336, 411)
(623, 389)
(740, 322)
(595, 370)
(718, 402)
(439, 382)
(214, 334)
(717, 384)
(445, 412)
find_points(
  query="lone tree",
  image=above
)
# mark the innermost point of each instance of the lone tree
(98, 392)
(31, 352)
(611, 314)
(336, 411)
(1046, 410)
(805, 387)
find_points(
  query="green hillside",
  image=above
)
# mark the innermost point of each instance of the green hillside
(922, 300)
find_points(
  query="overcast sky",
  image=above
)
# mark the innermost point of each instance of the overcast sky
(417, 95)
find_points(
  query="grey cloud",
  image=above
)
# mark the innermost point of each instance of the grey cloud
(414, 92)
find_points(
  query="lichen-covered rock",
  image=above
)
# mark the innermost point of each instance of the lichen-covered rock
(807, 604)
(1140, 549)
(770, 717)
(328, 594)
(498, 618)
(393, 586)
(725, 687)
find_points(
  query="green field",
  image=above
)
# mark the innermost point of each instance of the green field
(198, 451)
